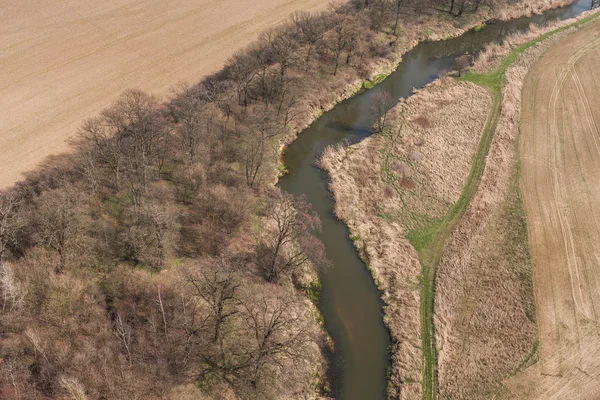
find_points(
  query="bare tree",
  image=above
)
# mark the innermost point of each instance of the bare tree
(130, 140)
(58, 222)
(218, 287)
(463, 62)
(284, 51)
(161, 221)
(379, 11)
(73, 387)
(339, 37)
(258, 146)
(309, 31)
(123, 331)
(279, 336)
(9, 367)
(382, 103)
(242, 69)
(12, 291)
(195, 119)
(9, 220)
(158, 218)
(97, 135)
(288, 242)
(399, 4)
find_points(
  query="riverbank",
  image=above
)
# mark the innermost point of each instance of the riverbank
(510, 204)
(191, 186)
(392, 183)
(414, 29)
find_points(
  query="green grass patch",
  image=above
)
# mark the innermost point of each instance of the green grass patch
(430, 241)
(370, 83)
(517, 247)
(281, 169)
(479, 27)
(313, 291)
(531, 358)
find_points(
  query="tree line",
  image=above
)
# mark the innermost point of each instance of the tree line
(157, 256)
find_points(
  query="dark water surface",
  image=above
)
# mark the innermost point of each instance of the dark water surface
(350, 302)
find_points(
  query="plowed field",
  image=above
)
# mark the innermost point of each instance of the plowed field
(63, 61)
(560, 183)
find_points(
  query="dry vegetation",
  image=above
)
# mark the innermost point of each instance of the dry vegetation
(156, 255)
(156, 260)
(485, 312)
(485, 307)
(395, 181)
(134, 267)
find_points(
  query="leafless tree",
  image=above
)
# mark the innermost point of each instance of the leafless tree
(382, 103)
(195, 116)
(12, 291)
(463, 62)
(218, 287)
(123, 330)
(309, 31)
(9, 220)
(284, 52)
(58, 222)
(73, 387)
(161, 222)
(289, 242)
(130, 139)
(242, 69)
(99, 137)
(338, 39)
(279, 336)
(379, 12)
(258, 146)
(398, 6)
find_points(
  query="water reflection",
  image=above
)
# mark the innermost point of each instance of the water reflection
(350, 302)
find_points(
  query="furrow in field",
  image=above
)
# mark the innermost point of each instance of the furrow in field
(560, 155)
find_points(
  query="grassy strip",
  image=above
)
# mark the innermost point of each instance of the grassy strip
(430, 241)
(518, 245)
(371, 83)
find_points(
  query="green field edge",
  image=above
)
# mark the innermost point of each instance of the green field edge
(430, 241)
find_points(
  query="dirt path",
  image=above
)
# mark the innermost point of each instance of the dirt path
(63, 61)
(560, 156)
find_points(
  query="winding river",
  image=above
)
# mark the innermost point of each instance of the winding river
(350, 302)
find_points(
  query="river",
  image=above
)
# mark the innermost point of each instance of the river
(350, 302)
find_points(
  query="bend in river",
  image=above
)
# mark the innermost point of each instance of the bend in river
(350, 302)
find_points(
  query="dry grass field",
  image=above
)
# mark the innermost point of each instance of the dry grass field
(390, 183)
(485, 316)
(63, 61)
(560, 157)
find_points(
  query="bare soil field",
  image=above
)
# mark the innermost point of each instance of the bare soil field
(64, 61)
(390, 183)
(559, 153)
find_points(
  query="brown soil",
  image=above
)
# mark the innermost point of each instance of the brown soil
(560, 160)
(64, 61)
